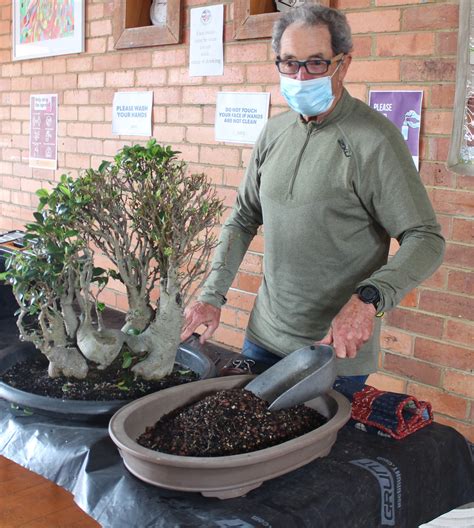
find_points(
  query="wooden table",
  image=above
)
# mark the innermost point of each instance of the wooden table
(30, 501)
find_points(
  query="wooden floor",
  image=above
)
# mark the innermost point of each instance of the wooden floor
(30, 501)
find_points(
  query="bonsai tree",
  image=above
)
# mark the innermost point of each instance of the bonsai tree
(154, 222)
(45, 281)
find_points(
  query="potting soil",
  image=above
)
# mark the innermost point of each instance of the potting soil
(112, 383)
(228, 422)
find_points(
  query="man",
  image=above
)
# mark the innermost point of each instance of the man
(331, 181)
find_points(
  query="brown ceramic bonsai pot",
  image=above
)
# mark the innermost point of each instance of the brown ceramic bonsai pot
(227, 476)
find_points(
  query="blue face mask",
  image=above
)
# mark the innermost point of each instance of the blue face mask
(309, 98)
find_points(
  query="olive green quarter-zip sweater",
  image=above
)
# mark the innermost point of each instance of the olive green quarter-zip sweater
(330, 196)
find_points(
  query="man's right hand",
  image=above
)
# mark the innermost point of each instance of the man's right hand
(197, 314)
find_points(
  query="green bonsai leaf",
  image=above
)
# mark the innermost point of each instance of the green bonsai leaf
(65, 190)
(104, 165)
(39, 218)
(123, 385)
(26, 411)
(33, 228)
(34, 309)
(127, 359)
(115, 275)
(42, 193)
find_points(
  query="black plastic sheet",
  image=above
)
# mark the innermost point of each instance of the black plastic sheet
(365, 482)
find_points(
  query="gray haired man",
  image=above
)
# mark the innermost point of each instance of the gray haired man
(332, 181)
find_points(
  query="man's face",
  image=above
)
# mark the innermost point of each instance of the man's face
(302, 42)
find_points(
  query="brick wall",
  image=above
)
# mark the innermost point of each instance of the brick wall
(399, 44)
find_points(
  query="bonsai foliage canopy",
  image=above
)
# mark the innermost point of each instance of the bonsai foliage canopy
(155, 224)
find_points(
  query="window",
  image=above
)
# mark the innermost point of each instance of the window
(133, 27)
(461, 152)
(255, 18)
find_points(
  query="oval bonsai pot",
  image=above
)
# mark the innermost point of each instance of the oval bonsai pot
(226, 476)
(189, 356)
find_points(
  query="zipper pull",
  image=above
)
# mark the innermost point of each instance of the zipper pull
(347, 151)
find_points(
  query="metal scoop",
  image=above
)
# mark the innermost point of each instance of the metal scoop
(299, 377)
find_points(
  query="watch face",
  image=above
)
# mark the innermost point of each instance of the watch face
(369, 294)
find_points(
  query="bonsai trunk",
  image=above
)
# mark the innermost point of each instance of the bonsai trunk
(161, 339)
(63, 359)
(100, 346)
(66, 360)
(71, 322)
(97, 344)
(139, 313)
(70, 318)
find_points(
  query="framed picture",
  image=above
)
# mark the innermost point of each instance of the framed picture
(43, 28)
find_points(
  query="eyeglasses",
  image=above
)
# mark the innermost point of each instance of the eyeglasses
(312, 66)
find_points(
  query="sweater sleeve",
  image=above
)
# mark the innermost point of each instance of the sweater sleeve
(235, 237)
(394, 195)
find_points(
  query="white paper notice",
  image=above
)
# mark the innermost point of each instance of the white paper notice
(240, 116)
(131, 113)
(206, 53)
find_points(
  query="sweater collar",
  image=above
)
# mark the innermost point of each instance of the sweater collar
(341, 109)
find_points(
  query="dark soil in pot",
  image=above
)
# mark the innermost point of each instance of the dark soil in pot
(113, 383)
(228, 422)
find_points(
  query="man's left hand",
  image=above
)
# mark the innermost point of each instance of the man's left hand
(351, 328)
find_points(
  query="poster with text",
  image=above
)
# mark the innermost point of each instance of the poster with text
(403, 108)
(131, 113)
(240, 116)
(44, 131)
(206, 51)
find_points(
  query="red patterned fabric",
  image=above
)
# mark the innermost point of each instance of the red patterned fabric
(396, 414)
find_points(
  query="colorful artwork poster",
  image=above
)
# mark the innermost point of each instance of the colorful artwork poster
(45, 28)
(43, 131)
(403, 108)
(46, 20)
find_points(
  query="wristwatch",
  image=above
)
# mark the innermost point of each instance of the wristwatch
(369, 294)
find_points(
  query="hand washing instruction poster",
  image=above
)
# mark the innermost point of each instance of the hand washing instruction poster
(44, 131)
(131, 113)
(206, 50)
(403, 108)
(240, 116)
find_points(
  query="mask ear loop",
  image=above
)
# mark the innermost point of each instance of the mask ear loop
(337, 67)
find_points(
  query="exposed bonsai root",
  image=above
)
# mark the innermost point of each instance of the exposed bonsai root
(67, 361)
(153, 368)
(137, 345)
(100, 346)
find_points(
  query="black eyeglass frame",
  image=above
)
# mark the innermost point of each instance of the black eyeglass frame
(328, 62)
